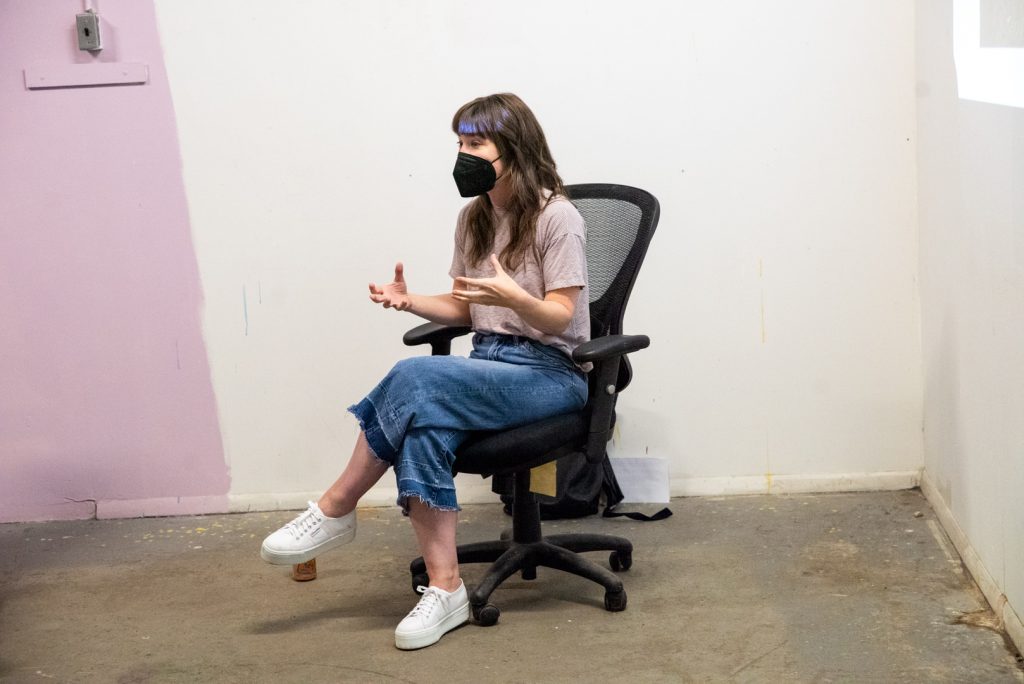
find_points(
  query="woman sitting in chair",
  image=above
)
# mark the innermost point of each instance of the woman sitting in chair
(520, 281)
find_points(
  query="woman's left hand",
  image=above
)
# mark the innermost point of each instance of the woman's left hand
(499, 290)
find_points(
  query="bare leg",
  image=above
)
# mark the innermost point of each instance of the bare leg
(435, 532)
(361, 473)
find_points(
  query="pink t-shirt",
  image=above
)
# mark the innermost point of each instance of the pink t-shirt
(561, 243)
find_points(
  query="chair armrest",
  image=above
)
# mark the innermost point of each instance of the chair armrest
(608, 346)
(609, 355)
(438, 336)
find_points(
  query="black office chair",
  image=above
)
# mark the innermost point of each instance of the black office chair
(620, 222)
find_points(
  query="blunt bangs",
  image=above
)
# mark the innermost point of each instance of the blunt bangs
(479, 118)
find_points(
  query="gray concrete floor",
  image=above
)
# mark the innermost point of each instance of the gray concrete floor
(823, 588)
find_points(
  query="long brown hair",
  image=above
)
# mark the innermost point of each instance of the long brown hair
(528, 167)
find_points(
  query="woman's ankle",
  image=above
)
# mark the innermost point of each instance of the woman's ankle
(449, 584)
(333, 508)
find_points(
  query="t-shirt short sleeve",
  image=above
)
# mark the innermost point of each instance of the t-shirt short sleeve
(563, 239)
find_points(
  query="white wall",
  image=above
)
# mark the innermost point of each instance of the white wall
(780, 291)
(971, 179)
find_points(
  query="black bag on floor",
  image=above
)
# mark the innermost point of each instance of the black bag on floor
(578, 489)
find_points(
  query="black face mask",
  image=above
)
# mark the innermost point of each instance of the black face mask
(474, 175)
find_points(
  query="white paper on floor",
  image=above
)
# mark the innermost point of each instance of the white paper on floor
(642, 480)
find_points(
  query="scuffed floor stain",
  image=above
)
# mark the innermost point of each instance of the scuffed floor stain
(984, 618)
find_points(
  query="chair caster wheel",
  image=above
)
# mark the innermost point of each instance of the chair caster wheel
(486, 615)
(620, 561)
(420, 580)
(615, 602)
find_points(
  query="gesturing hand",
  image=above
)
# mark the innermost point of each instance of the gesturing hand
(394, 295)
(499, 290)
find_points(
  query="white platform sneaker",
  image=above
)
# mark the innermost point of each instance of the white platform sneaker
(437, 613)
(309, 535)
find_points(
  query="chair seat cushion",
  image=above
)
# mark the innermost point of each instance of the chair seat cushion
(487, 453)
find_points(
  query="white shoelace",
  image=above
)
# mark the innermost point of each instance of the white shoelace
(430, 600)
(305, 522)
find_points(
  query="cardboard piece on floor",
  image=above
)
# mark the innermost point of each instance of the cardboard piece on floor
(543, 479)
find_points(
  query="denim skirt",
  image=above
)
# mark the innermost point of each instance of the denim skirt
(418, 415)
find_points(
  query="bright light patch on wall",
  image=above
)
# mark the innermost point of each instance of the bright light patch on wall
(988, 47)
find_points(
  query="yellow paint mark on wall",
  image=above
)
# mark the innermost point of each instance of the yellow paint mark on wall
(768, 482)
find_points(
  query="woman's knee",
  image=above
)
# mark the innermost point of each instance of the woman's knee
(409, 371)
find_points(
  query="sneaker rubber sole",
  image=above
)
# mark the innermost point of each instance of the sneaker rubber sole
(422, 638)
(293, 557)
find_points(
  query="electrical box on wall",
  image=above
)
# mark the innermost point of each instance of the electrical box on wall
(88, 24)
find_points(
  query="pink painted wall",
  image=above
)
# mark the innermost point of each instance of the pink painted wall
(105, 392)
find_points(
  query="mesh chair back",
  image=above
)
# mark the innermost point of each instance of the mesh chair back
(620, 223)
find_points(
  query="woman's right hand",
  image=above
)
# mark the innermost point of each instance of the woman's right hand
(394, 295)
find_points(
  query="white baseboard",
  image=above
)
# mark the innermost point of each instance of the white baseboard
(473, 489)
(107, 509)
(795, 484)
(1005, 612)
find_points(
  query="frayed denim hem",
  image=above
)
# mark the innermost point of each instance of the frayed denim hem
(369, 422)
(403, 501)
